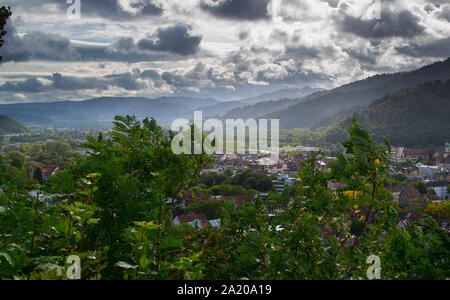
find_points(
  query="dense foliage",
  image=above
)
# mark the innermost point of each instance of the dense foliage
(116, 207)
(415, 117)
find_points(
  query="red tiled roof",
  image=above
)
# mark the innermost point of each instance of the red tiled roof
(419, 151)
(432, 197)
(191, 217)
(437, 183)
(411, 192)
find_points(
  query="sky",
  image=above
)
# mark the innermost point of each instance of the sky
(225, 49)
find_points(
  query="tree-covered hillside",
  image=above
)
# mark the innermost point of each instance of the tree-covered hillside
(323, 109)
(318, 107)
(8, 126)
(415, 117)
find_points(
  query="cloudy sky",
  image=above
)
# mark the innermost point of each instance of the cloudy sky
(225, 49)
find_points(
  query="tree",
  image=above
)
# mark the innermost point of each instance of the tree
(228, 173)
(37, 175)
(421, 186)
(212, 209)
(212, 179)
(5, 13)
(419, 205)
(400, 177)
(254, 180)
(139, 173)
(440, 211)
(17, 159)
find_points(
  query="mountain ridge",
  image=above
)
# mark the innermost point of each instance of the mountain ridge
(319, 108)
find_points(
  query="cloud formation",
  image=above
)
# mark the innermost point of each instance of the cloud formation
(175, 39)
(237, 9)
(403, 24)
(226, 49)
(52, 47)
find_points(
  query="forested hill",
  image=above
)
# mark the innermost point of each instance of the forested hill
(417, 117)
(314, 109)
(9, 126)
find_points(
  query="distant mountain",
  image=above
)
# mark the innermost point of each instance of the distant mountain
(222, 108)
(417, 117)
(260, 109)
(326, 107)
(9, 126)
(101, 111)
(282, 94)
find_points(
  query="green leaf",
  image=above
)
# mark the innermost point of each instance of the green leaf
(7, 258)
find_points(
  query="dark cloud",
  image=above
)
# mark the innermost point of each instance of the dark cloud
(445, 13)
(32, 85)
(437, 49)
(65, 83)
(364, 57)
(301, 52)
(51, 47)
(243, 35)
(175, 39)
(237, 9)
(403, 24)
(58, 82)
(107, 9)
(152, 74)
(173, 79)
(126, 81)
(36, 45)
(332, 3)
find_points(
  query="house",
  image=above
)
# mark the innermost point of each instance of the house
(444, 163)
(427, 171)
(408, 196)
(398, 154)
(195, 220)
(416, 154)
(396, 191)
(433, 197)
(440, 188)
(215, 223)
(281, 182)
(49, 171)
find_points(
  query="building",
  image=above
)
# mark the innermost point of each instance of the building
(281, 182)
(194, 220)
(419, 154)
(440, 188)
(408, 196)
(396, 191)
(398, 154)
(444, 163)
(427, 171)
